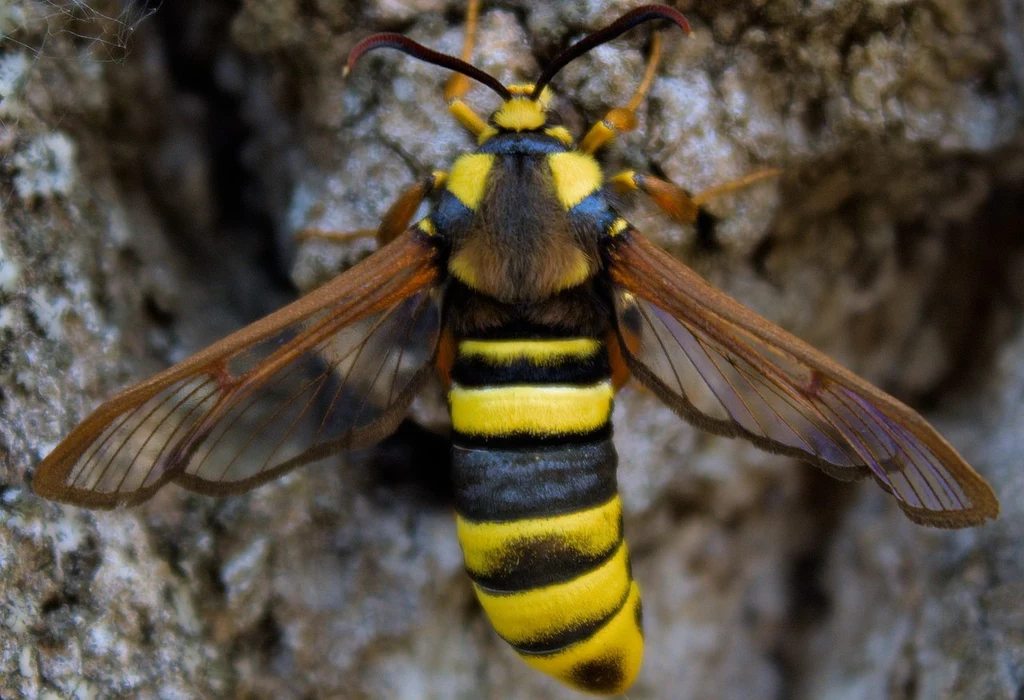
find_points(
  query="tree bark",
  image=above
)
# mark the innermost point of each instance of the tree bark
(156, 165)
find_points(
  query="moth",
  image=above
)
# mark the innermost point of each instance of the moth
(534, 299)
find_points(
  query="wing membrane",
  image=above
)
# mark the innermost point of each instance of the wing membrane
(334, 370)
(729, 371)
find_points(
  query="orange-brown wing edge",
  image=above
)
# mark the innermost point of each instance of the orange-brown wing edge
(409, 256)
(649, 273)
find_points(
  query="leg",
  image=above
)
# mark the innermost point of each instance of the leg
(623, 119)
(673, 199)
(458, 84)
(395, 221)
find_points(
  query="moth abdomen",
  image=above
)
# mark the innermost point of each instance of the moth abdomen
(539, 516)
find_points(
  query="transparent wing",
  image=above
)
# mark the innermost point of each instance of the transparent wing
(334, 370)
(729, 371)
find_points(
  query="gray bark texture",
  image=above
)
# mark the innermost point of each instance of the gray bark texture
(156, 164)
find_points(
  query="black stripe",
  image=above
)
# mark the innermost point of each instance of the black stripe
(501, 484)
(474, 370)
(523, 143)
(518, 329)
(528, 441)
(569, 635)
(542, 562)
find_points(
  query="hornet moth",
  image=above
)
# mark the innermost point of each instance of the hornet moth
(534, 300)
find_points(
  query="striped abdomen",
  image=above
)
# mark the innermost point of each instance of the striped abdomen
(539, 516)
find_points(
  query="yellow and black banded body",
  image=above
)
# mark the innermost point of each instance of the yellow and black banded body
(539, 516)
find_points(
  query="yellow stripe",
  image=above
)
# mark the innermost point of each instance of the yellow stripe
(488, 547)
(540, 613)
(576, 176)
(468, 177)
(619, 642)
(540, 352)
(617, 227)
(576, 272)
(538, 410)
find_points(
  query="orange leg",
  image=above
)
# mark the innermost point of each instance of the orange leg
(622, 119)
(458, 84)
(674, 200)
(396, 220)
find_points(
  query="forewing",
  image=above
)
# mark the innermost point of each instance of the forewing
(334, 370)
(729, 371)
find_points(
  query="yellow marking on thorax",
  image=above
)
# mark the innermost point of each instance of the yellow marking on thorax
(576, 175)
(488, 547)
(468, 178)
(560, 133)
(580, 271)
(572, 268)
(536, 410)
(427, 226)
(617, 227)
(620, 641)
(440, 177)
(461, 269)
(520, 114)
(540, 352)
(532, 615)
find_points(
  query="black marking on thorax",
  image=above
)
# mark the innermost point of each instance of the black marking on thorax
(583, 311)
(522, 143)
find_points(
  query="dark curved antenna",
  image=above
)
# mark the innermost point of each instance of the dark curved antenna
(388, 40)
(602, 36)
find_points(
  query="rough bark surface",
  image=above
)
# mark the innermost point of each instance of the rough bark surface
(155, 167)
